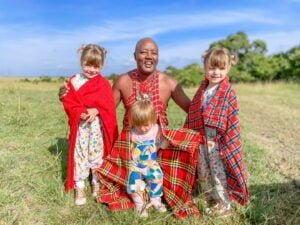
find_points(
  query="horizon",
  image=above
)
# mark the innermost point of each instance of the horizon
(41, 38)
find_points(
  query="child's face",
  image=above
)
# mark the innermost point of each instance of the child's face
(91, 71)
(144, 128)
(215, 75)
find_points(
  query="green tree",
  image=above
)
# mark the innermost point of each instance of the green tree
(189, 76)
(112, 77)
(294, 60)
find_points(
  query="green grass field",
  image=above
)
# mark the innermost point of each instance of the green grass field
(33, 143)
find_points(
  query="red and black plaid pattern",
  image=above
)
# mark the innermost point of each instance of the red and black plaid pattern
(222, 114)
(152, 86)
(178, 163)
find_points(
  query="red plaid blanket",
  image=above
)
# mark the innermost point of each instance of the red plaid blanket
(177, 164)
(95, 93)
(222, 114)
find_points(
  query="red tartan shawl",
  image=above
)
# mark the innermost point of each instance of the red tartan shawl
(95, 93)
(178, 172)
(222, 114)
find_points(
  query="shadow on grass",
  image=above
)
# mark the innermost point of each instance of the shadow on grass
(277, 203)
(274, 204)
(61, 149)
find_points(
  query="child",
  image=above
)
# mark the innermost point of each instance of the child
(146, 138)
(214, 113)
(91, 111)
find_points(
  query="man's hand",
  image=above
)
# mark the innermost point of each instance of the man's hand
(63, 90)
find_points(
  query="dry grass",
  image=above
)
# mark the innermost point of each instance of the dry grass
(270, 116)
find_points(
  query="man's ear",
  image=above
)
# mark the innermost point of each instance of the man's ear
(134, 55)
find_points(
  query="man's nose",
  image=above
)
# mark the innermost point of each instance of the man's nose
(149, 55)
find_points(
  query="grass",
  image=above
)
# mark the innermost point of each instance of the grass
(33, 143)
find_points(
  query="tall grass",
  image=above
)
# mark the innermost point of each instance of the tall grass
(33, 142)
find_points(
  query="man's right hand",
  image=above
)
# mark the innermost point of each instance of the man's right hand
(63, 90)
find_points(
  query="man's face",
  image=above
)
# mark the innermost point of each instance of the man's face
(146, 57)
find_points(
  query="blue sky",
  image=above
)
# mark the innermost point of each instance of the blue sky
(42, 37)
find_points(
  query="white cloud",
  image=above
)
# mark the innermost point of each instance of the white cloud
(37, 50)
(279, 41)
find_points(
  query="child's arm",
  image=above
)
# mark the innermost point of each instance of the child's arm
(164, 143)
(161, 141)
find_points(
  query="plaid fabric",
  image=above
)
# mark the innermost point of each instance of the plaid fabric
(175, 162)
(178, 162)
(152, 88)
(222, 114)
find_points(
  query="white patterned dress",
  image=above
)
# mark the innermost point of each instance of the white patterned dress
(88, 152)
(211, 170)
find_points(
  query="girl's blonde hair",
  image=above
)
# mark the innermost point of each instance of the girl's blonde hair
(92, 55)
(141, 113)
(219, 57)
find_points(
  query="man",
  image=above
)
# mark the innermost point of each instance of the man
(178, 166)
(146, 57)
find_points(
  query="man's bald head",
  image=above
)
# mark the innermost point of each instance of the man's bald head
(144, 40)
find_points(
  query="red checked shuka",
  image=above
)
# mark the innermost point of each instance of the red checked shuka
(178, 162)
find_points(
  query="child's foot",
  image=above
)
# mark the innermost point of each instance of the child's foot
(156, 203)
(80, 198)
(222, 210)
(161, 208)
(95, 189)
(143, 213)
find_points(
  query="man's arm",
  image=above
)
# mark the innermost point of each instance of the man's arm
(180, 98)
(116, 89)
(177, 93)
(121, 88)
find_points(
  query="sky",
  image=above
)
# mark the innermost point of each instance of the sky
(41, 38)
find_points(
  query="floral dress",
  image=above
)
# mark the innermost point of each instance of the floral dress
(211, 170)
(89, 141)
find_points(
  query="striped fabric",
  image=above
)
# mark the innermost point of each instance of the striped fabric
(222, 114)
(178, 162)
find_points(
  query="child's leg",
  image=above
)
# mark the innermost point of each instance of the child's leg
(154, 178)
(95, 184)
(204, 174)
(139, 203)
(80, 198)
(218, 174)
(136, 187)
(95, 156)
(155, 181)
(81, 168)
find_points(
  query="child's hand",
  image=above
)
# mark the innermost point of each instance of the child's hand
(164, 143)
(91, 115)
(83, 116)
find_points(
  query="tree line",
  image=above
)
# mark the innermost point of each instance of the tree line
(253, 65)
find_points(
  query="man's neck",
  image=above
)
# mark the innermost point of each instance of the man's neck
(144, 77)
